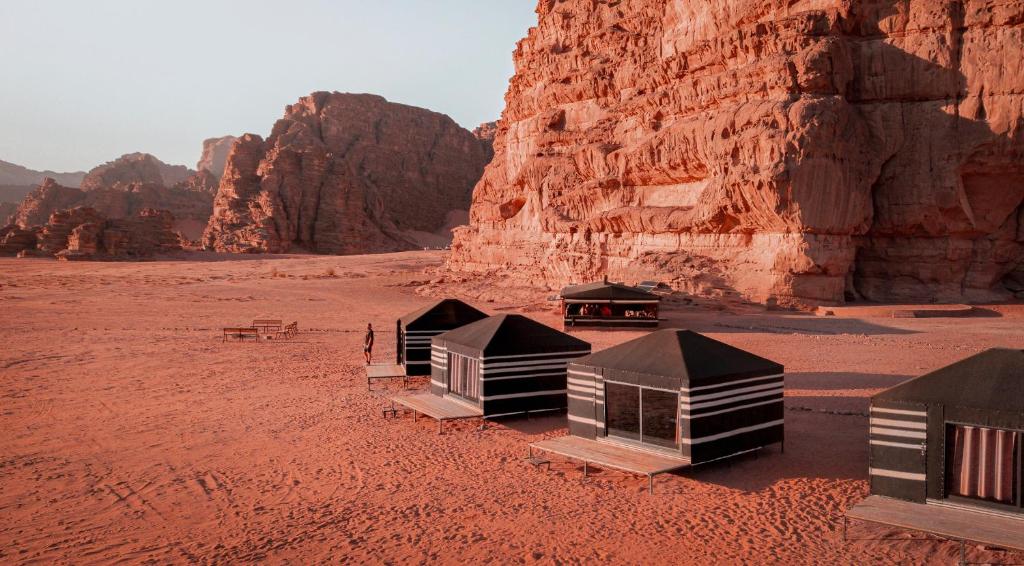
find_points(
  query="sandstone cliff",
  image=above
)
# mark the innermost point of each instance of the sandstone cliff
(345, 173)
(215, 155)
(84, 233)
(799, 151)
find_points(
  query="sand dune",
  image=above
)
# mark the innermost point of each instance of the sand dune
(131, 433)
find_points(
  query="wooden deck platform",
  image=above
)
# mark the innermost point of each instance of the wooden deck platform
(954, 523)
(615, 456)
(436, 407)
(386, 371)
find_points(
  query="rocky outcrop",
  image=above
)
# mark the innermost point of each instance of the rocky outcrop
(486, 131)
(135, 168)
(344, 173)
(215, 155)
(47, 198)
(14, 239)
(795, 151)
(84, 233)
(190, 202)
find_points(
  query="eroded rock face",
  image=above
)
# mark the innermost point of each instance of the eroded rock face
(84, 233)
(215, 155)
(344, 173)
(135, 168)
(190, 202)
(799, 151)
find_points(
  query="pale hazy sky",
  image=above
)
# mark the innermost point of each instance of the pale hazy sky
(85, 81)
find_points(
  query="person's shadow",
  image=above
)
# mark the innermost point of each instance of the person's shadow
(945, 134)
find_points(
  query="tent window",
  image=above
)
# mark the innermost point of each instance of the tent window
(640, 414)
(464, 376)
(983, 463)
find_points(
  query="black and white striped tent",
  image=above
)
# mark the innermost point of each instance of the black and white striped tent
(678, 391)
(504, 364)
(417, 328)
(953, 436)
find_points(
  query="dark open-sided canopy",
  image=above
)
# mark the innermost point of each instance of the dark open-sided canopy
(993, 379)
(509, 335)
(604, 291)
(445, 314)
(674, 358)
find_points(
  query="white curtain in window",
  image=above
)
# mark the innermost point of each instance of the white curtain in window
(984, 461)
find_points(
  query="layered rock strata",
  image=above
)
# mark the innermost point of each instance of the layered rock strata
(343, 174)
(84, 233)
(792, 151)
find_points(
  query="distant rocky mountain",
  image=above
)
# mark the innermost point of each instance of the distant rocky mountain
(191, 208)
(135, 168)
(345, 173)
(215, 155)
(125, 187)
(12, 175)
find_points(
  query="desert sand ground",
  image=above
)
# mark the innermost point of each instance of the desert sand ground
(130, 433)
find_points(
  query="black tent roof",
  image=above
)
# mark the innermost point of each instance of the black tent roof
(681, 356)
(511, 334)
(604, 291)
(442, 315)
(993, 379)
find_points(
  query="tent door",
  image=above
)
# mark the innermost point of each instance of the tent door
(464, 377)
(642, 415)
(400, 344)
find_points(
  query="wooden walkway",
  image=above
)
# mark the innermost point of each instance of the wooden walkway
(954, 523)
(386, 371)
(615, 456)
(436, 407)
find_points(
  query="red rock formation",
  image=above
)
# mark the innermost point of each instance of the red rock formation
(84, 233)
(486, 131)
(215, 155)
(799, 151)
(14, 239)
(135, 168)
(344, 173)
(190, 204)
(46, 199)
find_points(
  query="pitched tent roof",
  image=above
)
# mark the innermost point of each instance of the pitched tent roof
(993, 379)
(680, 357)
(511, 334)
(604, 291)
(445, 314)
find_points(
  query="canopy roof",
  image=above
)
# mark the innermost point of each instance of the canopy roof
(445, 314)
(511, 334)
(604, 291)
(993, 379)
(681, 356)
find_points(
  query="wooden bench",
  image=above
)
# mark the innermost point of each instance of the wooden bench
(290, 330)
(267, 325)
(241, 334)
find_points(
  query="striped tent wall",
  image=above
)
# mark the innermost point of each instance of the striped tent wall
(586, 401)
(734, 416)
(418, 351)
(525, 382)
(898, 436)
(438, 368)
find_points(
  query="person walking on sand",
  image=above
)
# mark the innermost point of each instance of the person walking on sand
(368, 343)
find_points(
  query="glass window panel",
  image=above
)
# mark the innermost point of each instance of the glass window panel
(659, 418)
(622, 410)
